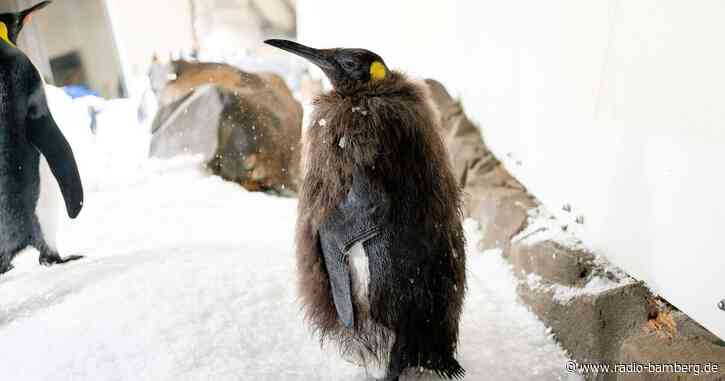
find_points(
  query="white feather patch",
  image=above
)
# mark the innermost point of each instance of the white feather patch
(49, 204)
(375, 366)
(360, 273)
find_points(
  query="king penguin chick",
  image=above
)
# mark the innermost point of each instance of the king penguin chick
(27, 130)
(380, 244)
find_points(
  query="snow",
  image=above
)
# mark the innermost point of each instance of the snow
(543, 226)
(501, 339)
(188, 277)
(565, 294)
(75, 120)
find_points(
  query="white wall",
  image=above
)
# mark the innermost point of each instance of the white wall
(146, 27)
(613, 107)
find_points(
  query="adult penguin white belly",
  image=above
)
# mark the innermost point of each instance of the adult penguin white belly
(50, 205)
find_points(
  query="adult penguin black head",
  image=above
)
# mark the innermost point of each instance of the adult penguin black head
(12, 23)
(341, 66)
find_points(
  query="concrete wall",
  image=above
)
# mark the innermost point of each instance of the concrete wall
(612, 107)
(224, 28)
(83, 26)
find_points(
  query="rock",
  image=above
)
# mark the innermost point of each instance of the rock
(247, 126)
(183, 126)
(602, 322)
(491, 195)
(501, 212)
(469, 155)
(473, 163)
(691, 344)
(553, 262)
(590, 327)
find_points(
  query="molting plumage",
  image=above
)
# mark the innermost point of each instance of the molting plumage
(390, 188)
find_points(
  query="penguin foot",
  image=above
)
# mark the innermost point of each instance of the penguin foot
(6, 268)
(50, 260)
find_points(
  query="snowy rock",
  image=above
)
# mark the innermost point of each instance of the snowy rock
(501, 212)
(590, 322)
(553, 262)
(246, 126)
(542, 226)
(590, 306)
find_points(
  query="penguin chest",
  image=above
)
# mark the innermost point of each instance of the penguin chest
(360, 277)
(49, 205)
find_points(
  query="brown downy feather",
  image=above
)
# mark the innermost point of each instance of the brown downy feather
(387, 127)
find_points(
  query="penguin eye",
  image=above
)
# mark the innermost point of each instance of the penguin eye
(348, 64)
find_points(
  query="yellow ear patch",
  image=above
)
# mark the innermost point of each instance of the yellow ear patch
(4, 33)
(378, 71)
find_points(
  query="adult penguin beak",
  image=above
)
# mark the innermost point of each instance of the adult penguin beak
(27, 14)
(320, 57)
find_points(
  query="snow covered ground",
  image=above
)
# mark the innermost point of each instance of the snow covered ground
(187, 277)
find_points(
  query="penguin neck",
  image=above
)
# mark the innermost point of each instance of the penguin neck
(395, 82)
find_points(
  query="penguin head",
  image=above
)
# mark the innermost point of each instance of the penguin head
(12, 23)
(340, 65)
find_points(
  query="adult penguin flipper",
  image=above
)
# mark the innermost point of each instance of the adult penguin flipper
(356, 219)
(44, 134)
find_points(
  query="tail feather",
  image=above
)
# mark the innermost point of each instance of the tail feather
(452, 370)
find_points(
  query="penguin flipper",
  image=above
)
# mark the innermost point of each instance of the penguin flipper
(44, 134)
(357, 218)
(338, 272)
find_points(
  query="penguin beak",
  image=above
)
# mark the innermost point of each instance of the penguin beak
(322, 58)
(27, 15)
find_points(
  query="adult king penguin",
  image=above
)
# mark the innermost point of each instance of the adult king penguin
(27, 130)
(380, 246)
